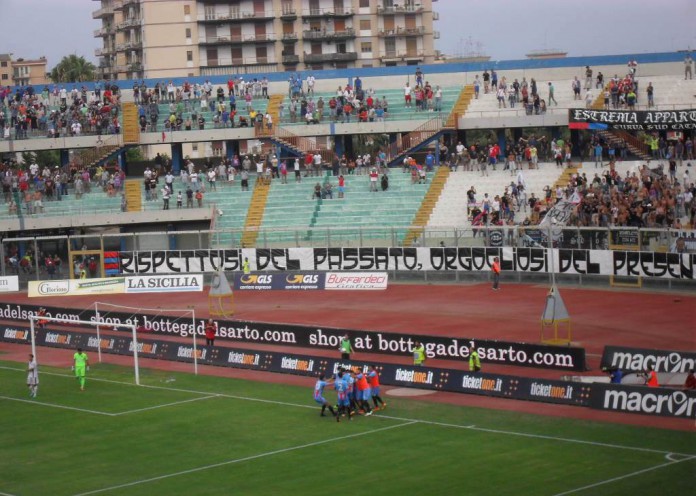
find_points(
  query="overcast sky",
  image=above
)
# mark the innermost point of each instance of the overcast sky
(505, 29)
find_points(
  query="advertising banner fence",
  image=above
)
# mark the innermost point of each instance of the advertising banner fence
(465, 259)
(9, 284)
(640, 360)
(389, 343)
(312, 281)
(646, 400)
(504, 386)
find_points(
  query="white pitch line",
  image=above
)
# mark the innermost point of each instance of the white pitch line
(622, 477)
(246, 458)
(6, 494)
(166, 404)
(53, 405)
(428, 422)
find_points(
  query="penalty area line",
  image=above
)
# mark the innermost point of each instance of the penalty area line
(54, 405)
(244, 459)
(166, 405)
(622, 477)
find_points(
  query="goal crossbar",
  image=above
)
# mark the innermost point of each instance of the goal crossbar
(132, 327)
(160, 311)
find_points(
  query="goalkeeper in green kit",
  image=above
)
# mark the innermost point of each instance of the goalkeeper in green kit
(80, 367)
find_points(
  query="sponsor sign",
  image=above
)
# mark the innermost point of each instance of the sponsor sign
(387, 343)
(645, 120)
(357, 280)
(164, 284)
(464, 259)
(439, 379)
(625, 237)
(9, 284)
(75, 287)
(294, 281)
(640, 360)
(646, 400)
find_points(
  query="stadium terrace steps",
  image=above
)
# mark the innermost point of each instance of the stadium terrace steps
(460, 106)
(255, 213)
(428, 204)
(134, 195)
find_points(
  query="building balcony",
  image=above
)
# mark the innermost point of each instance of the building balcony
(103, 12)
(237, 40)
(319, 13)
(400, 9)
(237, 62)
(236, 16)
(288, 14)
(289, 37)
(104, 31)
(436, 35)
(102, 52)
(318, 58)
(328, 35)
(291, 59)
(399, 31)
(122, 4)
(401, 56)
(129, 23)
(135, 67)
(436, 16)
(129, 45)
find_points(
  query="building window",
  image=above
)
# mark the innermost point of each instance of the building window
(365, 25)
(366, 47)
(194, 147)
(189, 56)
(3, 64)
(4, 77)
(364, 4)
(188, 33)
(187, 10)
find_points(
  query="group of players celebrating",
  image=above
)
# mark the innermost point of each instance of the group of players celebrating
(354, 389)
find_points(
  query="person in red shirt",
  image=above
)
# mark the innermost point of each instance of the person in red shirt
(373, 379)
(496, 273)
(210, 330)
(362, 395)
(651, 378)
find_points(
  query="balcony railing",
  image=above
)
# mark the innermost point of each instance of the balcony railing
(228, 40)
(288, 14)
(395, 56)
(130, 45)
(312, 58)
(104, 31)
(313, 34)
(289, 37)
(101, 52)
(104, 11)
(239, 61)
(399, 31)
(399, 9)
(291, 59)
(236, 16)
(129, 23)
(307, 13)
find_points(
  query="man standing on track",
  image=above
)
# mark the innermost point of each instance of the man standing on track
(210, 331)
(80, 367)
(496, 273)
(418, 353)
(474, 360)
(32, 376)
(346, 348)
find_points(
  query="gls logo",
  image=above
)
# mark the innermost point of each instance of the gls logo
(300, 279)
(254, 279)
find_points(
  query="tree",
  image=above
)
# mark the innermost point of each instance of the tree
(73, 69)
(44, 158)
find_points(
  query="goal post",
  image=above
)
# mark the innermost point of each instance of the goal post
(137, 312)
(32, 328)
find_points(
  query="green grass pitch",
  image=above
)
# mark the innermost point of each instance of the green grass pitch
(181, 434)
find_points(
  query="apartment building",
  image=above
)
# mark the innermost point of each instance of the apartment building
(22, 72)
(175, 38)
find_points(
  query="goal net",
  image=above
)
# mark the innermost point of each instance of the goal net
(84, 334)
(108, 314)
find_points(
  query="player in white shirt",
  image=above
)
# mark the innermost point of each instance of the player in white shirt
(32, 376)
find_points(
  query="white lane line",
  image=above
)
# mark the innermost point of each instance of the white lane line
(246, 458)
(166, 404)
(622, 477)
(53, 405)
(428, 422)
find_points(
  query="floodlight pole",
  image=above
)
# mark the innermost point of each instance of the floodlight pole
(96, 314)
